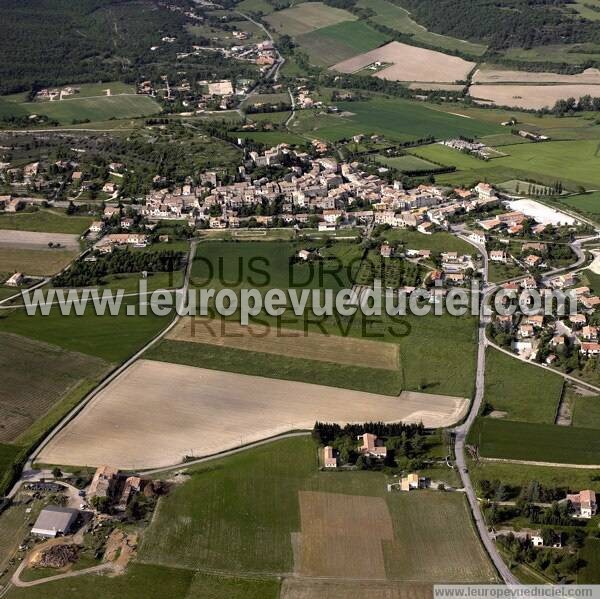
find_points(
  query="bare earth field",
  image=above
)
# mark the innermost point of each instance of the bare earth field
(530, 96)
(298, 588)
(410, 64)
(490, 75)
(286, 342)
(27, 240)
(35, 376)
(333, 541)
(155, 414)
(307, 17)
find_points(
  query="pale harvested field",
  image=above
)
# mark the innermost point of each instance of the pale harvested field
(156, 413)
(307, 17)
(531, 96)
(28, 240)
(298, 588)
(451, 87)
(490, 75)
(34, 262)
(342, 535)
(410, 64)
(286, 342)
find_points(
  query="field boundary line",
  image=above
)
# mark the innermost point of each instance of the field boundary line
(535, 463)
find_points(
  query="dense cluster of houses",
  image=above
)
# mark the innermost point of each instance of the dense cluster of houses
(336, 194)
(548, 336)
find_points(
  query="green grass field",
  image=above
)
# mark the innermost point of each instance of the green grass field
(591, 555)
(36, 376)
(586, 413)
(588, 203)
(255, 6)
(521, 475)
(524, 392)
(577, 54)
(48, 221)
(450, 367)
(307, 17)
(334, 43)
(437, 242)
(93, 108)
(396, 17)
(592, 280)
(498, 438)
(449, 157)
(8, 453)
(231, 510)
(407, 163)
(396, 119)
(574, 162)
(271, 138)
(267, 265)
(149, 581)
(229, 359)
(111, 338)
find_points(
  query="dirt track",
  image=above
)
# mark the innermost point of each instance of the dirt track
(156, 413)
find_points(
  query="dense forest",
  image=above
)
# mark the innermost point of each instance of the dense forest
(55, 42)
(519, 23)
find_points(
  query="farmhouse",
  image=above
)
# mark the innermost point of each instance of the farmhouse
(532, 260)
(329, 457)
(583, 503)
(15, 280)
(477, 237)
(411, 481)
(590, 349)
(104, 481)
(372, 446)
(54, 520)
(96, 227)
(498, 256)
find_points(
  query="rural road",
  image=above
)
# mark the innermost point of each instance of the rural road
(461, 431)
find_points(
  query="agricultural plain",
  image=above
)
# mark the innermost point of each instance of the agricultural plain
(156, 413)
(34, 262)
(92, 109)
(28, 240)
(211, 521)
(409, 63)
(490, 74)
(307, 17)
(530, 96)
(335, 43)
(45, 221)
(288, 342)
(35, 376)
